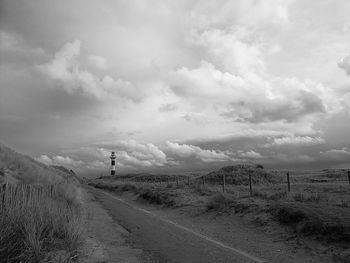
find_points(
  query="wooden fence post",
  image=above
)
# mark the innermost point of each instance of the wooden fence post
(223, 183)
(4, 186)
(250, 184)
(188, 180)
(203, 180)
(288, 181)
(349, 176)
(177, 181)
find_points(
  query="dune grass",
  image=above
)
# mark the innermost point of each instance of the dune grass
(317, 209)
(35, 220)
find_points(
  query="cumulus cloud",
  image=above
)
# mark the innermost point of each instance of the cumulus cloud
(229, 48)
(298, 140)
(67, 70)
(250, 155)
(145, 153)
(60, 160)
(247, 97)
(130, 153)
(205, 82)
(344, 63)
(186, 151)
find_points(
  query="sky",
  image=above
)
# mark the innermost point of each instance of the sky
(176, 85)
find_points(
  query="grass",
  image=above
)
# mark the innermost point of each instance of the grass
(35, 220)
(312, 208)
(158, 196)
(220, 202)
(332, 223)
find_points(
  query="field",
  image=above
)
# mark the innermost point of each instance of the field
(317, 206)
(39, 223)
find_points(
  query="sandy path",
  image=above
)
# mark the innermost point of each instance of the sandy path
(106, 241)
(167, 240)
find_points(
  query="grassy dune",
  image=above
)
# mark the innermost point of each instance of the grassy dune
(39, 222)
(19, 168)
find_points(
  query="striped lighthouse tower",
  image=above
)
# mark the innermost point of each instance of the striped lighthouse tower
(113, 157)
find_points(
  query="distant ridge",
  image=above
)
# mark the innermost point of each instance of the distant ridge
(19, 168)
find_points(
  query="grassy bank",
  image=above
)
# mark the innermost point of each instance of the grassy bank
(39, 223)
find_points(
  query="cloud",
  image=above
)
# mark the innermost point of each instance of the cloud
(247, 97)
(60, 160)
(98, 62)
(130, 153)
(168, 107)
(230, 49)
(44, 159)
(15, 51)
(294, 159)
(344, 63)
(342, 155)
(204, 82)
(257, 15)
(67, 70)
(250, 155)
(276, 109)
(97, 165)
(186, 151)
(298, 140)
(224, 78)
(9, 42)
(146, 153)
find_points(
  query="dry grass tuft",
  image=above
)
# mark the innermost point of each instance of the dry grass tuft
(35, 220)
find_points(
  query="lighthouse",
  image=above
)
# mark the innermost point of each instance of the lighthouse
(113, 157)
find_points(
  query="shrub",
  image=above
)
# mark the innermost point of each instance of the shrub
(158, 197)
(220, 202)
(326, 222)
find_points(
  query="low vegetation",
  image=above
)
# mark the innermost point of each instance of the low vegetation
(314, 207)
(332, 223)
(239, 175)
(152, 194)
(36, 220)
(220, 201)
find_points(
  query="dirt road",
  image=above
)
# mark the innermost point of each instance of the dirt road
(166, 240)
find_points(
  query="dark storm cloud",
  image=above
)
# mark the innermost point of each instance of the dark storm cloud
(274, 110)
